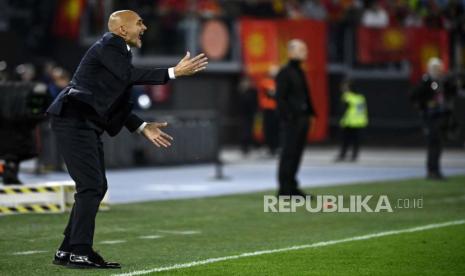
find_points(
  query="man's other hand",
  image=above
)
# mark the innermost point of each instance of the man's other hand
(188, 66)
(153, 133)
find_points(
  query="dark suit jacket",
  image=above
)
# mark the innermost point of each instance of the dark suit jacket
(103, 82)
(292, 92)
(424, 94)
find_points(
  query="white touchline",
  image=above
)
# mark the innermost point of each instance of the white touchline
(29, 252)
(112, 242)
(150, 237)
(297, 247)
(177, 232)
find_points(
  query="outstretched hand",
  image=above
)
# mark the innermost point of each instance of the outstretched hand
(188, 66)
(159, 138)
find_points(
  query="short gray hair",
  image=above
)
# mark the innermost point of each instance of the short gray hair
(293, 44)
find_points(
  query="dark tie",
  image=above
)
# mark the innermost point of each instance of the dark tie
(130, 54)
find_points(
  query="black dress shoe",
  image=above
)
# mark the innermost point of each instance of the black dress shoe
(92, 260)
(61, 258)
(293, 193)
(435, 176)
(298, 192)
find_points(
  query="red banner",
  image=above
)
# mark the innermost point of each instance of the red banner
(425, 44)
(259, 45)
(377, 45)
(416, 44)
(67, 18)
(264, 44)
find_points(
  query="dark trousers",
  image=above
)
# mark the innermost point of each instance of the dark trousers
(435, 131)
(294, 136)
(80, 145)
(271, 129)
(350, 140)
(247, 132)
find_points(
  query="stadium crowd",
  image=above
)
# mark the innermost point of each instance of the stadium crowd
(172, 17)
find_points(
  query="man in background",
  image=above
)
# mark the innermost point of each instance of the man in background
(268, 105)
(295, 110)
(353, 121)
(434, 97)
(248, 110)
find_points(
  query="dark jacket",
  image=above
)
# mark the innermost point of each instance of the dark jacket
(102, 85)
(292, 92)
(425, 96)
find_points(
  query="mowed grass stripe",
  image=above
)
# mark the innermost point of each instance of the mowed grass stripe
(439, 251)
(298, 247)
(229, 225)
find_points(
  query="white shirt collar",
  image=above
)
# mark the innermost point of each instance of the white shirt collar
(129, 48)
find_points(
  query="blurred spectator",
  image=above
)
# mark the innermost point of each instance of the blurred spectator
(342, 16)
(3, 70)
(433, 18)
(25, 72)
(413, 18)
(434, 97)
(17, 141)
(454, 14)
(267, 103)
(293, 9)
(59, 79)
(353, 121)
(313, 9)
(248, 109)
(375, 16)
(263, 8)
(208, 8)
(397, 11)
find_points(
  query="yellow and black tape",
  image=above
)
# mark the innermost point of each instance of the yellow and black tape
(28, 190)
(102, 206)
(32, 208)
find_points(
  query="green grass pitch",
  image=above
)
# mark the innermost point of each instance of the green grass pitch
(231, 225)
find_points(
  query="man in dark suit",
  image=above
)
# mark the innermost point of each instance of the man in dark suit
(434, 97)
(97, 100)
(294, 109)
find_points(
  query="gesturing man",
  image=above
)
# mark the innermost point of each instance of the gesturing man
(97, 100)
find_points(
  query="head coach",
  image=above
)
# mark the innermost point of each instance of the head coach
(97, 100)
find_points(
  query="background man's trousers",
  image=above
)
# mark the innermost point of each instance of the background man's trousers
(436, 131)
(350, 139)
(294, 137)
(271, 129)
(80, 145)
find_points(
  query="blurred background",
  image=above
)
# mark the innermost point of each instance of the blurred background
(382, 46)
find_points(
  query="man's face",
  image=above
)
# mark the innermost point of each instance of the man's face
(299, 52)
(303, 52)
(134, 30)
(436, 71)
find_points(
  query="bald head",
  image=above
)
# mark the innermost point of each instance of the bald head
(297, 49)
(128, 25)
(120, 18)
(435, 67)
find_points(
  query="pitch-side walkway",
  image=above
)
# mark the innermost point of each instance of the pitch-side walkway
(257, 172)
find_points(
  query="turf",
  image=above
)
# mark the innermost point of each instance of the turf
(231, 225)
(432, 252)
